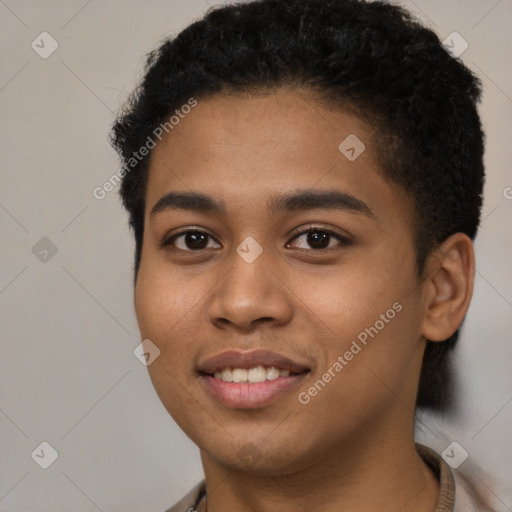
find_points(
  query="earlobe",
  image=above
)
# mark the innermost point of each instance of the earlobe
(448, 287)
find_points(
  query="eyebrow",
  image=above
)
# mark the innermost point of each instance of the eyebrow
(301, 200)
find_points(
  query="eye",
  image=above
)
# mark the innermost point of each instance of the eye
(319, 239)
(190, 240)
(193, 240)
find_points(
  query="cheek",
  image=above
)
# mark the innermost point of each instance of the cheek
(372, 313)
(370, 368)
(161, 306)
(347, 299)
(164, 306)
(162, 300)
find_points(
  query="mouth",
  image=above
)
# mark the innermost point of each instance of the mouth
(253, 379)
(252, 375)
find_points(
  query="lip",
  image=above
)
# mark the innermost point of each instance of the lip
(245, 395)
(246, 360)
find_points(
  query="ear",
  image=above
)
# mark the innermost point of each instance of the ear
(449, 280)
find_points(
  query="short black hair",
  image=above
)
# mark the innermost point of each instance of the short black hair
(369, 58)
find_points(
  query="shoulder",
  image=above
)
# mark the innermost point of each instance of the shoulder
(189, 502)
(457, 492)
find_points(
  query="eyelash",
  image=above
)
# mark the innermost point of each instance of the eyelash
(167, 242)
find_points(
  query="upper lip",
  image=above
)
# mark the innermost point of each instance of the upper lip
(250, 359)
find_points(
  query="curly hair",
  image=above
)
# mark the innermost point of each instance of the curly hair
(370, 58)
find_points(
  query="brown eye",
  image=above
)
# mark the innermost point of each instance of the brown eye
(319, 239)
(191, 240)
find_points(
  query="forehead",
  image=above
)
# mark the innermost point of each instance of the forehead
(247, 149)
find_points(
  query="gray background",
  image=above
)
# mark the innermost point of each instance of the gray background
(68, 375)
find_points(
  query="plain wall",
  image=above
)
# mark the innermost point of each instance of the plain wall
(68, 375)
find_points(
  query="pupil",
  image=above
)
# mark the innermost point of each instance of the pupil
(318, 239)
(196, 240)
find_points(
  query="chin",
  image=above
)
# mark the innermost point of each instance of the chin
(257, 454)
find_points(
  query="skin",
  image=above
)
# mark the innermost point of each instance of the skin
(352, 446)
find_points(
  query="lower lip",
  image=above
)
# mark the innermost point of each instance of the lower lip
(245, 395)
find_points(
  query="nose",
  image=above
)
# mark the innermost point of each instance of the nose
(250, 294)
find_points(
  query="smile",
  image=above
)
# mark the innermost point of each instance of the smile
(252, 375)
(252, 379)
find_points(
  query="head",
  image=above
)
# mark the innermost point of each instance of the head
(263, 93)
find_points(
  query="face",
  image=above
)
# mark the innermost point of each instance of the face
(277, 279)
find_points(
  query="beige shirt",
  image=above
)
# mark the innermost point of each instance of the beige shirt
(455, 495)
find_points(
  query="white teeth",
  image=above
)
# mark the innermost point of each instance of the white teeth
(226, 375)
(272, 373)
(239, 375)
(253, 375)
(258, 374)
